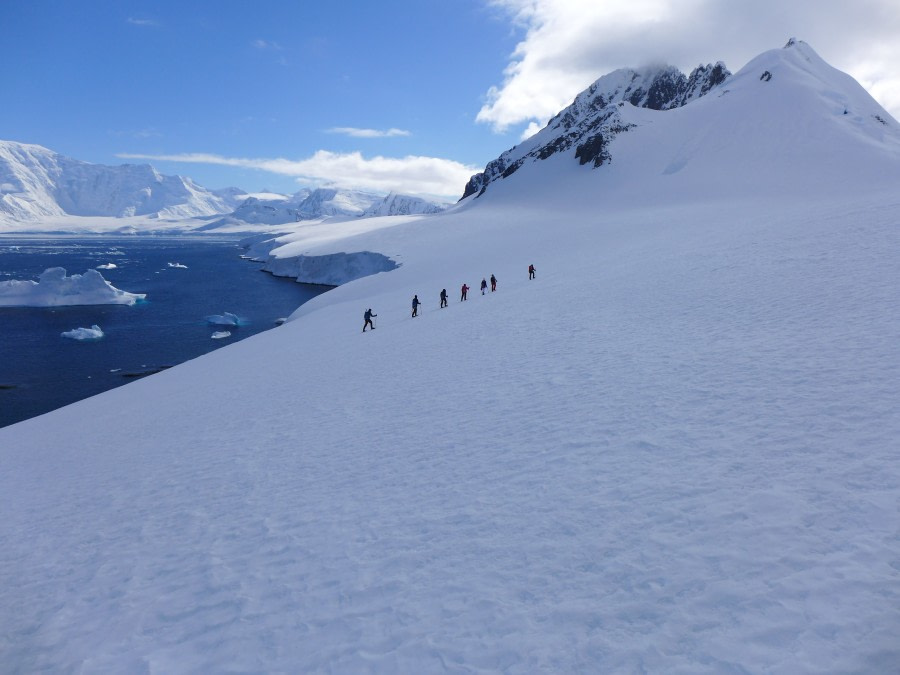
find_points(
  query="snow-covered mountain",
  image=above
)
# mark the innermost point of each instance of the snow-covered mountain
(593, 119)
(402, 205)
(36, 182)
(271, 209)
(674, 450)
(324, 203)
(658, 121)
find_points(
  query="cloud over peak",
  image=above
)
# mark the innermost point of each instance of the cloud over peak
(567, 44)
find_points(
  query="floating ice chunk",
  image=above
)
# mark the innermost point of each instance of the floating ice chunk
(92, 333)
(219, 334)
(107, 266)
(54, 289)
(224, 319)
(178, 266)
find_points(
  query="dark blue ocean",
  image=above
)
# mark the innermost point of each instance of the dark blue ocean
(41, 371)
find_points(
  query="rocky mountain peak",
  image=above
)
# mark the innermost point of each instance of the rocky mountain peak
(593, 120)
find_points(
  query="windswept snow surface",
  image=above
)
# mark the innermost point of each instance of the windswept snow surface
(54, 289)
(675, 450)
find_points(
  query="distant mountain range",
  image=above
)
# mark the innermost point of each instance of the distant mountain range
(307, 204)
(37, 184)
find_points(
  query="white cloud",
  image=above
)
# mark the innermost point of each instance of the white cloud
(266, 44)
(368, 133)
(567, 44)
(151, 23)
(532, 128)
(409, 175)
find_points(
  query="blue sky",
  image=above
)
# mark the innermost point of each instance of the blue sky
(411, 95)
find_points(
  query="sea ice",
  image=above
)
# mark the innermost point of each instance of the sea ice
(178, 266)
(220, 334)
(92, 333)
(54, 289)
(224, 319)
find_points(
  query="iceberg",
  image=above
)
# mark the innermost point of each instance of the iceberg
(92, 333)
(54, 289)
(224, 319)
(178, 265)
(107, 266)
(219, 334)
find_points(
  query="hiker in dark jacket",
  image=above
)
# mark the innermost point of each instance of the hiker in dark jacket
(483, 286)
(415, 305)
(368, 317)
(493, 283)
(530, 272)
(443, 298)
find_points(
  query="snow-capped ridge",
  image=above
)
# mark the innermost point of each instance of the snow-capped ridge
(592, 120)
(786, 103)
(402, 205)
(36, 182)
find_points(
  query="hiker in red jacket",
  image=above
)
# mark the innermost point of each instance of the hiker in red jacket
(530, 272)
(465, 289)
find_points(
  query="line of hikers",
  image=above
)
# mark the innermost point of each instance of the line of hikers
(463, 296)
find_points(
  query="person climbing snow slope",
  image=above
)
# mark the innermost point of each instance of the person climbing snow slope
(368, 317)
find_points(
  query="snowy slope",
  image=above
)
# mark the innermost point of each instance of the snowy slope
(36, 182)
(675, 450)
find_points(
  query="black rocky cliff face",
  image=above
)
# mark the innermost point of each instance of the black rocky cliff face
(587, 127)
